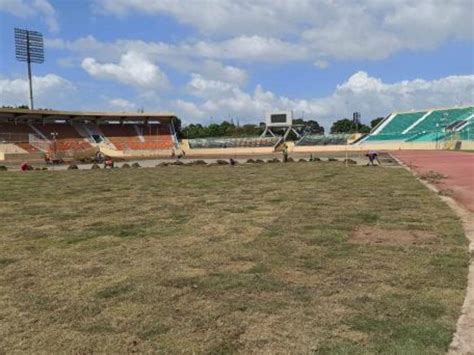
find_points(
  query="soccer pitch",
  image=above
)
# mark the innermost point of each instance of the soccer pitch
(297, 257)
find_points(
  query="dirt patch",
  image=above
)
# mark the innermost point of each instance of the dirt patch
(378, 236)
(432, 177)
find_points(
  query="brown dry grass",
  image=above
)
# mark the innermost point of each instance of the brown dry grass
(225, 259)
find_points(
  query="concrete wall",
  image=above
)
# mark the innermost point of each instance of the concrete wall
(467, 145)
(11, 148)
(133, 154)
(368, 146)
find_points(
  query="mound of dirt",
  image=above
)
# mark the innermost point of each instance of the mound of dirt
(378, 236)
(432, 176)
(350, 161)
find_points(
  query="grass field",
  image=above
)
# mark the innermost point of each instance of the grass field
(300, 257)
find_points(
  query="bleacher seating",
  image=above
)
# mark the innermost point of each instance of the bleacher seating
(224, 142)
(67, 137)
(319, 139)
(138, 137)
(397, 124)
(17, 134)
(467, 131)
(423, 126)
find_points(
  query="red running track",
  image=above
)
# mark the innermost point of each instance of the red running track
(458, 167)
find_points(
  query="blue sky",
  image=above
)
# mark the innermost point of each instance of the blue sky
(238, 59)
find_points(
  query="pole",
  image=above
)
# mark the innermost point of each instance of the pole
(29, 69)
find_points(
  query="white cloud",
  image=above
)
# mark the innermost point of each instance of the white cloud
(205, 88)
(48, 90)
(122, 104)
(133, 69)
(187, 109)
(361, 92)
(368, 29)
(217, 71)
(321, 64)
(32, 8)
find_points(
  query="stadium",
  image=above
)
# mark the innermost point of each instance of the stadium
(125, 231)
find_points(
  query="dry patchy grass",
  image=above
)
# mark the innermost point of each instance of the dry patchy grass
(223, 259)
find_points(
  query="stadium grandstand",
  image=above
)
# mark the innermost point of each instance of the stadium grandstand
(454, 124)
(320, 139)
(80, 134)
(225, 142)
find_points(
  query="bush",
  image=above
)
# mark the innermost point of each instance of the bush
(177, 162)
(251, 161)
(72, 167)
(126, 166)
(290, 160)
(350, 161)
(332, 159)
(316, 159)
(302, 160)
(163, 164)
(136, 165)
(44, 168)
(274, 160)
(3, 168)
(222, 162)
(259, 161)
(95, 166)
(200, 162)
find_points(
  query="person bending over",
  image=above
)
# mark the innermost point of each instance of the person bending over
(373, 157)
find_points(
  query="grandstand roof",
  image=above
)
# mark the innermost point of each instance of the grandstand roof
(8, 113)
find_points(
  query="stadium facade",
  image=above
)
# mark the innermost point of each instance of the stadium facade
(31, 134)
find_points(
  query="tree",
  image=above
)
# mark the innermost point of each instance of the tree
(347, 126)
(342, 126)
(376, 121)
(19, 106)
(310, 126)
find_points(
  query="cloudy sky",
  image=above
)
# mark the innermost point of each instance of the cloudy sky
(209, 60)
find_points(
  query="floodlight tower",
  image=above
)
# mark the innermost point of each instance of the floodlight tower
(29, 48)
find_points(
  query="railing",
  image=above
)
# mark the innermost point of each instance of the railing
(253, 142)
(39, 143)
(334, 139)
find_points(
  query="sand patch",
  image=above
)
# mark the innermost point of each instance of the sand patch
(378, 236)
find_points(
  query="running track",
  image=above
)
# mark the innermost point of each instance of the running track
(458, 167)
